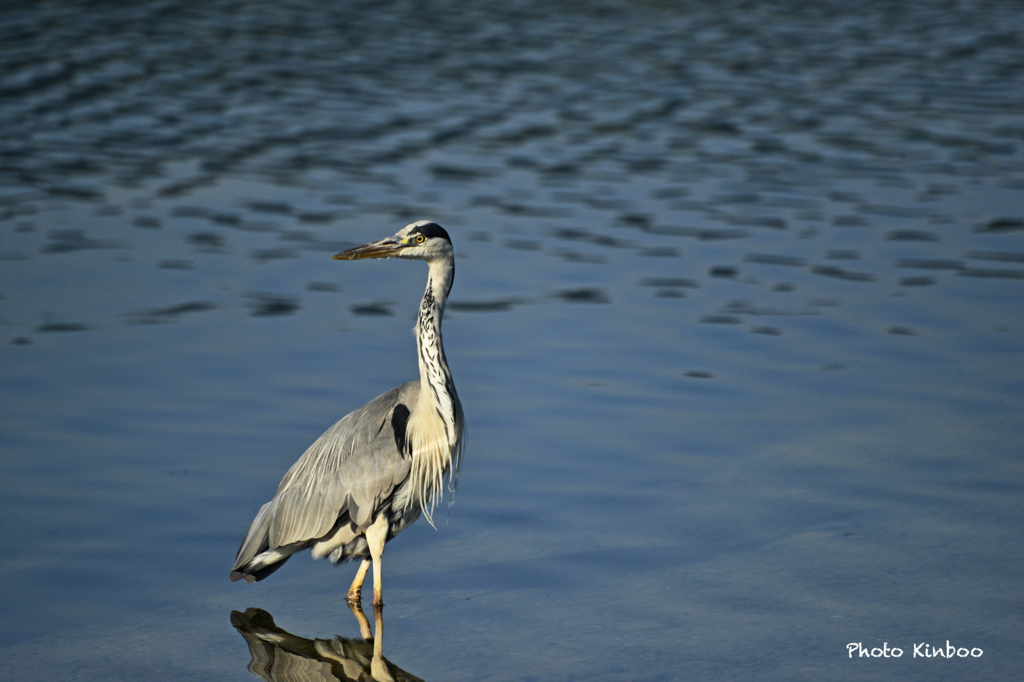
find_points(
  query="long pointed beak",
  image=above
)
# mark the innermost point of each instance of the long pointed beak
(385, 248)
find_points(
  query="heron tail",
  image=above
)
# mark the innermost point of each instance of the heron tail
(255, 559)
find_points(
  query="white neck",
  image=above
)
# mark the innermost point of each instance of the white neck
(435, 426)
(436, 385)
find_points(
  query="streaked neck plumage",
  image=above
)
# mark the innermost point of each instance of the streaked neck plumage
(436, 424)
(435, 378)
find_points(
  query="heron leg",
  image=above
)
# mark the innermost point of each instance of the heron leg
(376, 536)
(356, 591)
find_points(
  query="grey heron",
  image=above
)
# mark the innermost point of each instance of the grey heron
(376, 470)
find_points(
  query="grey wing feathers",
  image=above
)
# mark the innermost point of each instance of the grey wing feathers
(349, 470)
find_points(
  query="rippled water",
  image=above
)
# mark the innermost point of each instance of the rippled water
(736, 322)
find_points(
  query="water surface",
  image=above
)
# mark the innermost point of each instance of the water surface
(736, 323)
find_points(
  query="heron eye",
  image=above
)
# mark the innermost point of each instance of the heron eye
(419, 239)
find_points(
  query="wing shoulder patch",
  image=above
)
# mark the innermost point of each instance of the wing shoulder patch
(400, 422)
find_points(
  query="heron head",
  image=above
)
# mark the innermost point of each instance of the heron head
(422, 240)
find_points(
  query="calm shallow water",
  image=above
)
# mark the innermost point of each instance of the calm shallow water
(736, 323)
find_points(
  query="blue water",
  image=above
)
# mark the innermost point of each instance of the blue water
(736, 323)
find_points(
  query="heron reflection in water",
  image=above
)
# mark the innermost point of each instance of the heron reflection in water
(375, 471)
(280, 656)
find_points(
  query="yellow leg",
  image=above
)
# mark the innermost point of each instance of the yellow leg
(356, 591)
(376, 536)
